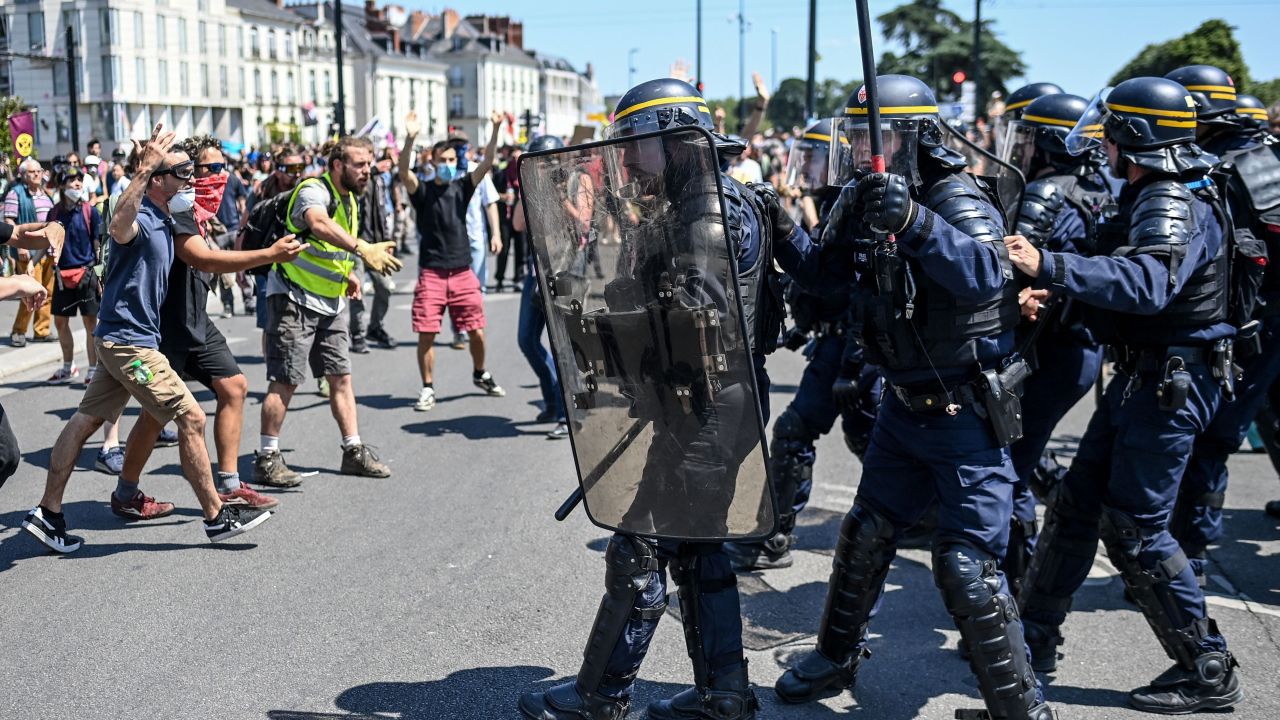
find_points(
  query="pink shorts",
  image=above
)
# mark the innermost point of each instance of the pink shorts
(456, 290)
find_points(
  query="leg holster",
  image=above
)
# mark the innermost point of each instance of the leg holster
(863, 554)
(695, 579)
(1149, 587)
(1017, 559)
(629, 566)
(990, 627)
(791, 459)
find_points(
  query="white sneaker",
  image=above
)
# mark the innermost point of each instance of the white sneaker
(88, 375)
(18, 340)
(426, 400)
(63, 376)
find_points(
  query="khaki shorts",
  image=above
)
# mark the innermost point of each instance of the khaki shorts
(164, 397)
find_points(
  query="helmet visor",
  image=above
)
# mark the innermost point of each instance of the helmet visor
(1018, 146)
(807, 162)
(1087, 134)
(850, 149)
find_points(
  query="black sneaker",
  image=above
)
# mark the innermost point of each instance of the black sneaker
(1212, 685)
(381, 338)
(485, 382)
(360, 347)
(51, 531)
(234, 520)
(772, 554)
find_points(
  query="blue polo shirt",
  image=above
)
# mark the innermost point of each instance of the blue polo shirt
(137, 281)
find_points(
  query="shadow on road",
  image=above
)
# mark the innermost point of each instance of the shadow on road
(472, 427)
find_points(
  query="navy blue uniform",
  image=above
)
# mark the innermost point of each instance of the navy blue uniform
(1126, 473)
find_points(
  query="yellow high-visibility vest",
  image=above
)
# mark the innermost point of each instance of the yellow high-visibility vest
(322, 269)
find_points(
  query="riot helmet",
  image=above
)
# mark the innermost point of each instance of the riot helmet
(1250, 112)
(663, 103)
(909, 126)
(808, 160)
(1015, 107)
(1212, 89)
(544, 142)
(1151, 120)
(1038, 139)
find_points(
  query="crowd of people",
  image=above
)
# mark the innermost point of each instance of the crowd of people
(301, 237)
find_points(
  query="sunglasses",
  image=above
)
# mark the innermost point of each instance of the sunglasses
(182, 171)
(213, 167)
(294, 168)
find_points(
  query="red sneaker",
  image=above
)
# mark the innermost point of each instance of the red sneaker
(141, 507)
(245, 495)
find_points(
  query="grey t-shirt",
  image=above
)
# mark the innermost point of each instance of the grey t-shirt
(310, 195)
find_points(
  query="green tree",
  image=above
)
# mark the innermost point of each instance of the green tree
(1213, 43)
(786, 107)
(935, 42)
(1268, 92)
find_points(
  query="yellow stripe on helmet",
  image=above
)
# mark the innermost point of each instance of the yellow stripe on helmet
(1222, 96)
(659, 101)
(1211, 88)
(1256, 112)
(1017, 105)
(817, 136)
(1176, 123)
(1049, 120)
(901, 110)
(1152, 111)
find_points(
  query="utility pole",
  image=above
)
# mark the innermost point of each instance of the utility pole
(742, 64)
(773, 57)
(697, 72)
(978, 105)
(72, 90)
(810, 90)
(631, 67)
(340, 111)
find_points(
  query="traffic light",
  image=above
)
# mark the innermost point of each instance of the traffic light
(699, 86)
(958, 77)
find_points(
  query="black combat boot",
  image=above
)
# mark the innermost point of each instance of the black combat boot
(1211, 685)
(772, 554)
(729, 698)
(566, 702)
(817, 676)
(1043, 642)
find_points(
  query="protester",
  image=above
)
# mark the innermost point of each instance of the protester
(307, 320)
(374, 227)
(445, 278)
(76, 287)
(128, 336)
(28, 203)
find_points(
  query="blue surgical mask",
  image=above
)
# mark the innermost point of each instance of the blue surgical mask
(73, 195)
(183, 201)
(446, 171)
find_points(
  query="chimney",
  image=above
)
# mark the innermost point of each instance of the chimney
(591, 72)
(370, 10)
(417, 22)
(451, 20)
(515, 34)
(395, 40)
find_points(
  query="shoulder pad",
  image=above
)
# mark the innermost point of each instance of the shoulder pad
(1162, 215)
(1041, 202)
(956, 199)
(1258, 170)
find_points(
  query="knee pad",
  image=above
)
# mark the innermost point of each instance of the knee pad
(864, 552)
(1068, 540)
(629, 561)
(966, 576)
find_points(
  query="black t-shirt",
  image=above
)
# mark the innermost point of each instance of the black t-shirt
(442, 223)
(184, 322)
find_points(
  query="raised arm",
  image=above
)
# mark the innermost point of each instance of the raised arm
(757, 109)
(194, 251)
(124, 226)
(411, 129)
(490, 151)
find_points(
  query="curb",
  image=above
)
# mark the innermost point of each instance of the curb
(19, 360)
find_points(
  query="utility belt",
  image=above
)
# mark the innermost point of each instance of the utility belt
(995, 395)
(1171, 365)
(830, 328)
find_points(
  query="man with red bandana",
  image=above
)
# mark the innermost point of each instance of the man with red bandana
(191, 342)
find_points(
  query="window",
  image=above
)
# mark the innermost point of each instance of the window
(162, 68)
(275, 87)
(109, 26)
(161, 43)
(182, 34)
(35, 31)
(139, 39)
(222, 41)
(288, 46)
(59, 79)
(254, 50)
(313, 96)
(6, 28)
(71, 19)
(202, 5)
(328, 86)
(6, 77)
(244, 88)
(288, 89)
(184, 79)
(455, 76)
(202, 37)
(223, 90)
(106, 74)
(140, 75)
(204, 80)
(455, 104)
(257, 85)
(271, 44)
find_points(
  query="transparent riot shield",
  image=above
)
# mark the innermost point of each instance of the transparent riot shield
(1007, 180)
(640, 289)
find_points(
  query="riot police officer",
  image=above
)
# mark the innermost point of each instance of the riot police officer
(813, 411)
(1253, 115)
(1250, 170)
(937, 305)
(636, 563)
(1064, 201)
(1016, 106)
(1157, 294)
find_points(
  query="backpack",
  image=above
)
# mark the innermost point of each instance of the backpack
(268, 222)
(1242, 219)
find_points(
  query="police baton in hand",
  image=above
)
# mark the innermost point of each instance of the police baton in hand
(873, 93)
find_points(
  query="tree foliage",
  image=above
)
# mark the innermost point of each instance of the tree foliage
(1213, 43)
(935, 42)
(1268, 92)
(786, 107)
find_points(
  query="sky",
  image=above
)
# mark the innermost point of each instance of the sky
(1078, 44)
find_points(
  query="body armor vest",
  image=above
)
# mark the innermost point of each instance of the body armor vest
(760, 285)
(910, 322)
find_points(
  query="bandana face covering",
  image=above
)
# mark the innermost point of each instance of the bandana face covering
(208, 196)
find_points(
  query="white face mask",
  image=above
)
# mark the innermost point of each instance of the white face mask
(73, 195)
(183, 201)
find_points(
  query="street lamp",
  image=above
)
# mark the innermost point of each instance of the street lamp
(631, 67)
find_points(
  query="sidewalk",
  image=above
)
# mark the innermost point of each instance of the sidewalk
(17, 360)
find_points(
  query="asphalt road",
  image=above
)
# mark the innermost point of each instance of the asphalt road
(446, 590)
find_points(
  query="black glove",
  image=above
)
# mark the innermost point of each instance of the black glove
(843, 218)
(794, 339)
(887, 203)
(778, 217)
(845, 391)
